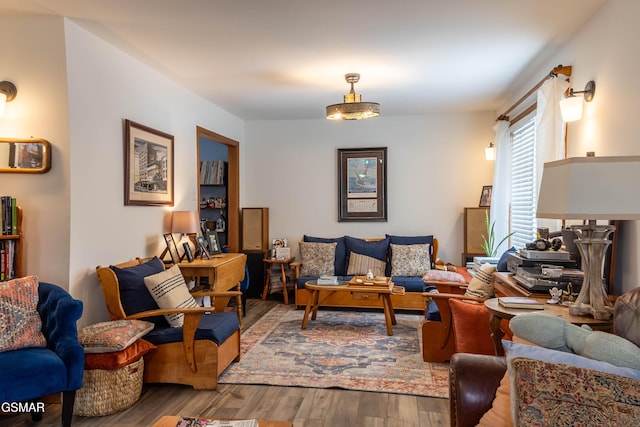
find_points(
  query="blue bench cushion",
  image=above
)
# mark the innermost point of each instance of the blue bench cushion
(216, 327)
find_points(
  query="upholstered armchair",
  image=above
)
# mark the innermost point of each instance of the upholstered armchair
(192, 354)
(30, 373)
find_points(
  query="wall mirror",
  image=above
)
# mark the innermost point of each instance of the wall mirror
(25, 155)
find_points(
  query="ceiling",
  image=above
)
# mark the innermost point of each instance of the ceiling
(286, 59)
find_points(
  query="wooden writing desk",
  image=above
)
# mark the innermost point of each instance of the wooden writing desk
(224, 272)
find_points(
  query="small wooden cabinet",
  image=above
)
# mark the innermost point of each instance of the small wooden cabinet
(11, 251)
(474, 229)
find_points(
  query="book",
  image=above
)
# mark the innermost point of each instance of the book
(520, 302)
(327, 280)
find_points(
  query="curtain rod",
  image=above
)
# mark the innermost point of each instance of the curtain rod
(560, 69)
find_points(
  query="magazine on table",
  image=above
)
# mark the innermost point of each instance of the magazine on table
(201, 422)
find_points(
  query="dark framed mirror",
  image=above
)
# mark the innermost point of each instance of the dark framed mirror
(25, 155)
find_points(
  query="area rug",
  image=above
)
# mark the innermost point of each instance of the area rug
(341, 349)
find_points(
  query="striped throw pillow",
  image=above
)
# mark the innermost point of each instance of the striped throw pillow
(169, 290)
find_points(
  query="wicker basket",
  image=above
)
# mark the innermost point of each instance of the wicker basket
(105, 392)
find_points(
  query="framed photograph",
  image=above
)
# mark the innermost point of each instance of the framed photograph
(214, 243)
(148, 166)
(362, 184)
(187, 251)
(172, 248)
(485, 196)
(202, 247)
(279, 243)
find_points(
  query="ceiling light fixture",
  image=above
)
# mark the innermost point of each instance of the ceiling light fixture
(8, 92)
(571, 106)
(352, 108)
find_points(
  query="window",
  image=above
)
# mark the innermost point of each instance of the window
(522, 215)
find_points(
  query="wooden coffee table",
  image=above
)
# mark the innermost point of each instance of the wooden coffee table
(382, 294)
(172, 421)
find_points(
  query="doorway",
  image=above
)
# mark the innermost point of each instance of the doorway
(227, 189)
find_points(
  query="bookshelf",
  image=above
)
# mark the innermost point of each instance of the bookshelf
(11, 250)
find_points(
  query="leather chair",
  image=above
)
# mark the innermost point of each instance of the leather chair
(194, 354)
(29, 374)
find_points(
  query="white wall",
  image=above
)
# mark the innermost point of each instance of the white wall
(605, 50)
(34, 60)
(435, 167)
(105, 87)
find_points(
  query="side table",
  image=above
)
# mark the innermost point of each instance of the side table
(284, 265)
(499, 312)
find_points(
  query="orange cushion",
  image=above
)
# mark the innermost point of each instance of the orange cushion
(118, 359)
(471, 327)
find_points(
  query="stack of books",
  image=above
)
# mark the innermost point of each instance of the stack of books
(9, 215)
(521, 302)
(327, 280)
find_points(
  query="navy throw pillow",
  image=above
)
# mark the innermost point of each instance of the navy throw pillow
(502, 262)
(134, 295)
(340, 264)
(376, 249)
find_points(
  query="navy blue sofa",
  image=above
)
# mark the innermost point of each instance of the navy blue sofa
(32, 373)
(379, 248)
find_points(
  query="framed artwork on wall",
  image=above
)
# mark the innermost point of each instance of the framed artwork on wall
(362, 184)
(148, 166)
(485, 196)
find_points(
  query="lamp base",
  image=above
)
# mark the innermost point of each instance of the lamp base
(587, 310)
(592, 242)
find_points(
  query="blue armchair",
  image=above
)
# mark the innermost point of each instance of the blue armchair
(31, 373)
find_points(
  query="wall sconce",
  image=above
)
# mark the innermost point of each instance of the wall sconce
(8, 92)
(571, 106)
(490, 152)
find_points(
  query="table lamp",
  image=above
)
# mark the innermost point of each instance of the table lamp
(590, 189)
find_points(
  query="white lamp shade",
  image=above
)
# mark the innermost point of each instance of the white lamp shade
(571, 108)
(490, 153)
(591, 188)
(3, 103)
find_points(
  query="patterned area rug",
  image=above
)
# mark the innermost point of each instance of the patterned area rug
(342, 349)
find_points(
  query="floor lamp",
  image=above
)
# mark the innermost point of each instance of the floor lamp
(591, 189)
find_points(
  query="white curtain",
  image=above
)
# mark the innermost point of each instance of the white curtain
(550, 133)
(500, 196)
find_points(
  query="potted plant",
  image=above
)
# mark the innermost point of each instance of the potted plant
(488, 242)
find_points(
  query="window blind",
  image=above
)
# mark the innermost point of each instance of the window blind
(523, 178)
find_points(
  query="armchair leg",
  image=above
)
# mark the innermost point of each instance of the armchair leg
(68, 399)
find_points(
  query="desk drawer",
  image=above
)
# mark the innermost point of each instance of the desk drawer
(365, 296)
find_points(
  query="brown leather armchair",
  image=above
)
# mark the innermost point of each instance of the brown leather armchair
(473, 381)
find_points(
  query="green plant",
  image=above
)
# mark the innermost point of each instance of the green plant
(488, 241)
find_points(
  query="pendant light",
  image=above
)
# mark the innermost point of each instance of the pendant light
(352, 108)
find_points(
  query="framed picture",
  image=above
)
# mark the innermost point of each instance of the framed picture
(279, 243)
(362, 184)
(214, 243)
(148, 166)
(485, 197)
(172, 248)
(187, 251)
(202, 247)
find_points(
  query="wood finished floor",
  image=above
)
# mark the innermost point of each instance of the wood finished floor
(307, 407)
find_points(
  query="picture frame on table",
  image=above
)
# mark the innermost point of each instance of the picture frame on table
(362, 184)
(214, 243)
(148, 171)
(202, 247)
(485, 196)
(172, 248)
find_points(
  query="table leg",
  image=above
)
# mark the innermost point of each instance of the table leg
(391, 310)
(496, 334)
(386, 305)
(239, 304)
(305, 318)
(316, 304)
(284, 285)
(265, 291)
